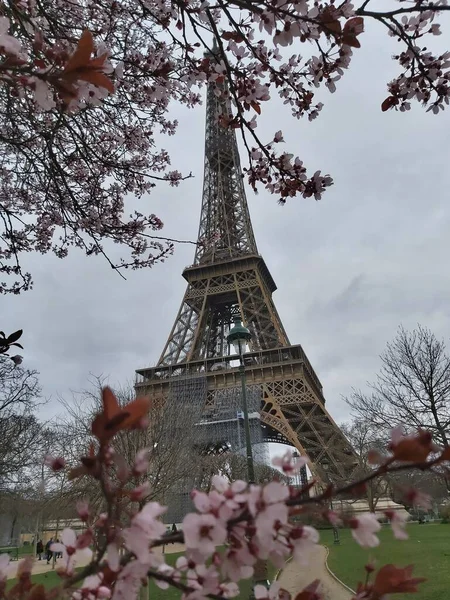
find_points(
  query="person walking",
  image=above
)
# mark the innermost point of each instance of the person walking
(48, 552)
(39, 549)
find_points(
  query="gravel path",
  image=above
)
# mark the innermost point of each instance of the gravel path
(294, 578)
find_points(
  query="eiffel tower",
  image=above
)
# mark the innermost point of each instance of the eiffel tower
(230, 278)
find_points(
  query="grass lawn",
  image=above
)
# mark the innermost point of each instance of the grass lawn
(51, 579)
(154, 593)
(428, 548)
(48, 580)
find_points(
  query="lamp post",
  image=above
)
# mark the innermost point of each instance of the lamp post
(336, 537)
(239, 336)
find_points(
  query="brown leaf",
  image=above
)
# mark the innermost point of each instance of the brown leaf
(82, 54)
(331, 23)
(445, 455)
(415, 448)
(37, 592)
(354, 26)
(96, 78)
(256, 107)
(232, 35)
(113, 418)
(310, 592)
(393, 580)
(389, 103)
(351, 40)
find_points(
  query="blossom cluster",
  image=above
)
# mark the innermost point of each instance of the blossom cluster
(86, 89)
(236, 525)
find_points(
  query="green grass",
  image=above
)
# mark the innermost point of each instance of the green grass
(51, 579)
(428, 549)
(48, 580)
(155, 593)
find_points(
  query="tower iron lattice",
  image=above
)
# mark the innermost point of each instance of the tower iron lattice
(229, 277)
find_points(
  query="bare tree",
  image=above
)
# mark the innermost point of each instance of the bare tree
(20, 431)
(363, 437)
(168, 438)
(412, 388)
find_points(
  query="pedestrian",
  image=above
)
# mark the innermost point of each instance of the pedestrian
(58, 554)
(48, 552)
(39, 549)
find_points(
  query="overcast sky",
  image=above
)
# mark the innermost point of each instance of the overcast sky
(373, 254)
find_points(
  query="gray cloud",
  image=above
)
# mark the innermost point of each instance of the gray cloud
(349, 269)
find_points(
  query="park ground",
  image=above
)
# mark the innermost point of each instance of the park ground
(428, 548)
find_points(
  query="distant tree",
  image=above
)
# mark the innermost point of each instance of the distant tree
(21, 434)
(412, 389)
(168, 438)
(364, 437)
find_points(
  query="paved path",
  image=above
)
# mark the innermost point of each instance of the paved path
(41, 566)
(294, 577)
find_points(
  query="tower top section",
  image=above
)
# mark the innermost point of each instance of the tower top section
(225, 230)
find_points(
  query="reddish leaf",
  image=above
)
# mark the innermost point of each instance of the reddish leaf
(97, 78)
(445, 454)
(354, 26)
(37, 592)
(413, 448)
(256, 107)
(110, 405)
(113, 418)
(389, 103)
(136, 411)
(351, 40)
(393, 580)
(330, 23)
(232, 35)
(82, 54)
(310, 592)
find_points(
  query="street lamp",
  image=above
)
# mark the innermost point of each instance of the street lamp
(239, 336)
(336, 537)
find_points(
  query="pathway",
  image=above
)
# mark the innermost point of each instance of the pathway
(295, 578)
(41, 566)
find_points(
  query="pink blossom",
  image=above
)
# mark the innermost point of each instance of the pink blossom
(262, 593)
(8, 43)
(364, 528)
(113, 556)
(73, 549)
(398, 524)
(304, 539)
(229, 590)
(145, 528)
(56, 463)
(129, 581)
(83, 511)
(43, 94)
(203, 533)
(141, 461)
(289, 463)
(140, 492)
(268, 507)
(417, 498)
(237, 562)
(201, 501)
